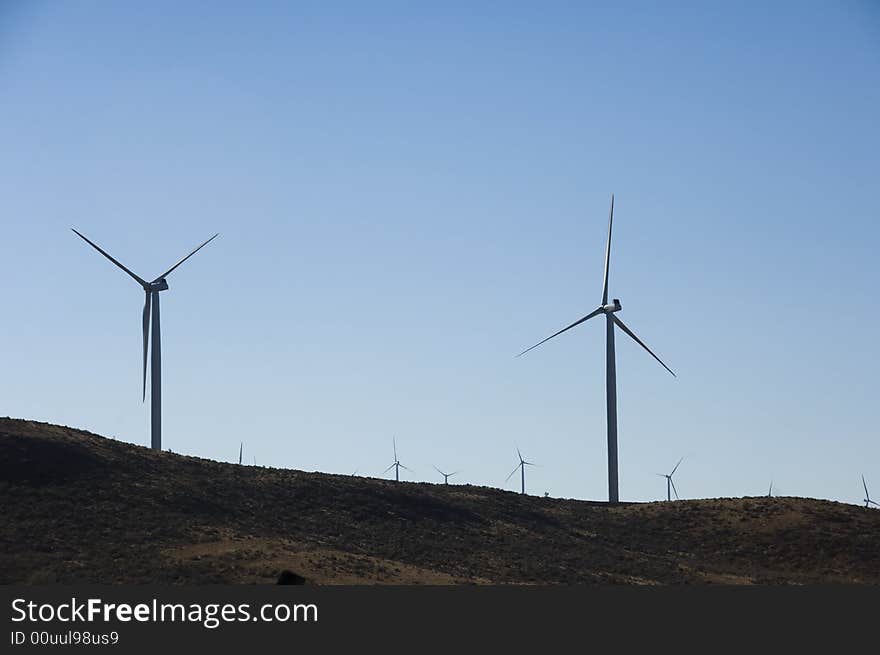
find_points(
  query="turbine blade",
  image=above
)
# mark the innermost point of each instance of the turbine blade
(874, 502)
(146, 321)
(519, 454)
(623, 327)
(676, 468)
(865, 484)
(512, 472)
(451, 474)
(389, 468)
(607, 254)
(94, 245)
(439, 471)
(394, 441)
(575, 324)
(673, 487)
(168, 272)
(406, 467)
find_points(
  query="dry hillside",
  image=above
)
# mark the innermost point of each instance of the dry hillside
(77, 507)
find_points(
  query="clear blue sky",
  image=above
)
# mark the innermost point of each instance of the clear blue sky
(409, 196)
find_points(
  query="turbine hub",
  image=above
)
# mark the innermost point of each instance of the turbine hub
(613, 306)
(159, 285)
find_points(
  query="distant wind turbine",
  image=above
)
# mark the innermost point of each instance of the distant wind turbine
(609, 310)
(151, 289)
(240, 450)
(868, 500)
(669, 481)
(396, 465)
(446, 476)
(522, 468)
(770, 492)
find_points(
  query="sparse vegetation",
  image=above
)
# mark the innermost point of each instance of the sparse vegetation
(81, 508)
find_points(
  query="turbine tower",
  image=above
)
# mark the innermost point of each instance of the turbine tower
(522, 468)
(868, 500)
(240, 450)
(669, 482)
(446, 476)
(611, 320)
(151, 326)
(396, 465)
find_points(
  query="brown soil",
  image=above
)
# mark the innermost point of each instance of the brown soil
(77, 507)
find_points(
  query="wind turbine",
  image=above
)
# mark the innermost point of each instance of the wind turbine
(522, 466)
(446, 476)
(609, 310)
(669, 482)
(770, 492)
(868, 500)
(396, 465)
(240, 449)
(151, 291)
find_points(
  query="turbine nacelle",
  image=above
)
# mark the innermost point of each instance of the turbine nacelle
(159, 285)
(613, 306)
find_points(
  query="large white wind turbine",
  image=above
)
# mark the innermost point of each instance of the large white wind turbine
(446, 476)
(151, 310)
(396, 465)
(868, 500)
(522, 469)
(669, 481)
(609, 310)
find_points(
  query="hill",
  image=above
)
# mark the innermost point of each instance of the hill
(78, 507)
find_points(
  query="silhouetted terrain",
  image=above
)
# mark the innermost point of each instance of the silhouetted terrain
(77, 507)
